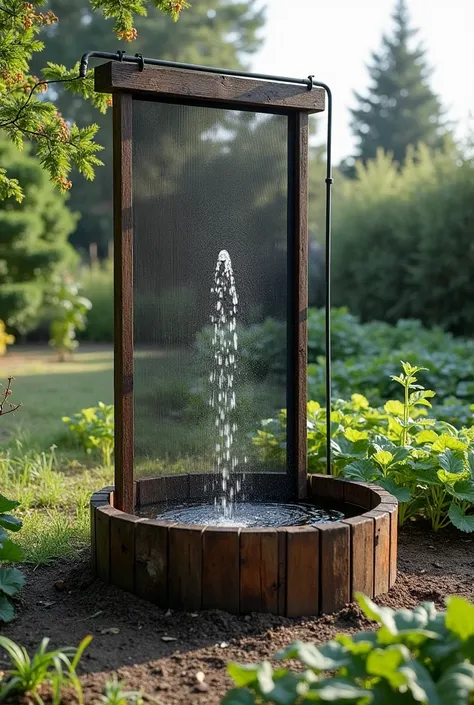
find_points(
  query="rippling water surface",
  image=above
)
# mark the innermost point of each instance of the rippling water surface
(250, 514)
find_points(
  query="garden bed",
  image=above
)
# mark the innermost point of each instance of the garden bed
(162, 652)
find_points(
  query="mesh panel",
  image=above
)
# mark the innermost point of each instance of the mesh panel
(210, 259)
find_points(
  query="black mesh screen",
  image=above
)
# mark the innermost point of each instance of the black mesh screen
(210, 227)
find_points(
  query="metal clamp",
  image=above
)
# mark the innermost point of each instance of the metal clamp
(141, 62)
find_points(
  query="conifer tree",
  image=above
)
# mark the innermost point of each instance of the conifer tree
(400, 108)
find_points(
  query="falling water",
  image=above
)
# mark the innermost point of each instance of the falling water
(222, 378)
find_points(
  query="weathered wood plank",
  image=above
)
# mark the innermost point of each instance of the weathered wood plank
(220, 569)
(298, 151)
(122, 550)
(327, 487)
(258, 571)
(123, 301)
(214, 87)
(185, 567)
(302, 577)
(102, 541)
(282, 571)
(362, 554)
(335, 566)
(151, 561)
(381, 550)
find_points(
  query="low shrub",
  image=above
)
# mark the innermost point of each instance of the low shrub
(94, 429)
(98, 286)
(415, 656)
(11, 579)
(44, 670)
(425, 462)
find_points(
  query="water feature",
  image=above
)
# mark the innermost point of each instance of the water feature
(222, 378)
(230, 507)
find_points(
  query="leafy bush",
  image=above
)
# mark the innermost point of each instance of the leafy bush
(426, 463)
(34, 245)
(5, 338)
(365, 357)
(69, 314)
(45, 669)
(415, 656)
(11, 579)
(402, 241)
(261, 349)
(98, 286)
(94, 429)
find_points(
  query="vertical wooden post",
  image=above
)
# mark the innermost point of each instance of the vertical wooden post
(298, 197)
(123, 301)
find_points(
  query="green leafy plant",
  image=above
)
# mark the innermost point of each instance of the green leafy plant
(415, 656)
(45, 669)
(114, 694)
(11, 579)
(426, 463)
(69, 315)
(94, 428)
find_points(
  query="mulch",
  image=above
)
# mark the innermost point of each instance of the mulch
(162, 653)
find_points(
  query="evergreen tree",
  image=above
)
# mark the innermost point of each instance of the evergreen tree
(400, 108)
(33, 240)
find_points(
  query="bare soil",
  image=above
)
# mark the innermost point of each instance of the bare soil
(162, 652)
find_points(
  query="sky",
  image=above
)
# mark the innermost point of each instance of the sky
(333, 40)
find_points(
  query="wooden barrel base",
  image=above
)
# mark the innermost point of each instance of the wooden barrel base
(291, 571)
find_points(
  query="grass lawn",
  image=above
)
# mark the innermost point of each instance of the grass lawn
(49, 390)
(53, 486)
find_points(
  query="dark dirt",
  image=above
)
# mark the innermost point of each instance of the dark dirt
(65, 603)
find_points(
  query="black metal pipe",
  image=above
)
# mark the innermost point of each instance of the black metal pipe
(128, 58)
(309, 83)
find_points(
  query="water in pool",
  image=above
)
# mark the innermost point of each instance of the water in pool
(247, 514)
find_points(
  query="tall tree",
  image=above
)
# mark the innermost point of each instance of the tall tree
(34, 244)
(400, 108)
(214, 32)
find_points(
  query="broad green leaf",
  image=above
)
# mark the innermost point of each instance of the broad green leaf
(6, 505)
(420, 683)
(456, 685)
(460, 617)
(463, 490)
(265, 677)
(313, 407)
(237, 696)
(10, 552)
(445, 442)
(460, 519)
(449, 478)
(6, 610)
(470, 460)
(242, 675)
(362, 470)
(9, 522)
(394, 407)
(402, 494)
(383, 457)
(359, 401)
(382, 615)
(11, 580)
(354, 435)
(328, 657)
(426, 436)
(451, 462)
(386, 663)
(338, 690)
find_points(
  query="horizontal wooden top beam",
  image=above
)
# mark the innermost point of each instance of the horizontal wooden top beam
(183, 84)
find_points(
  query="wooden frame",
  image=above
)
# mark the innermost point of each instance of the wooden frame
(165, 84)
